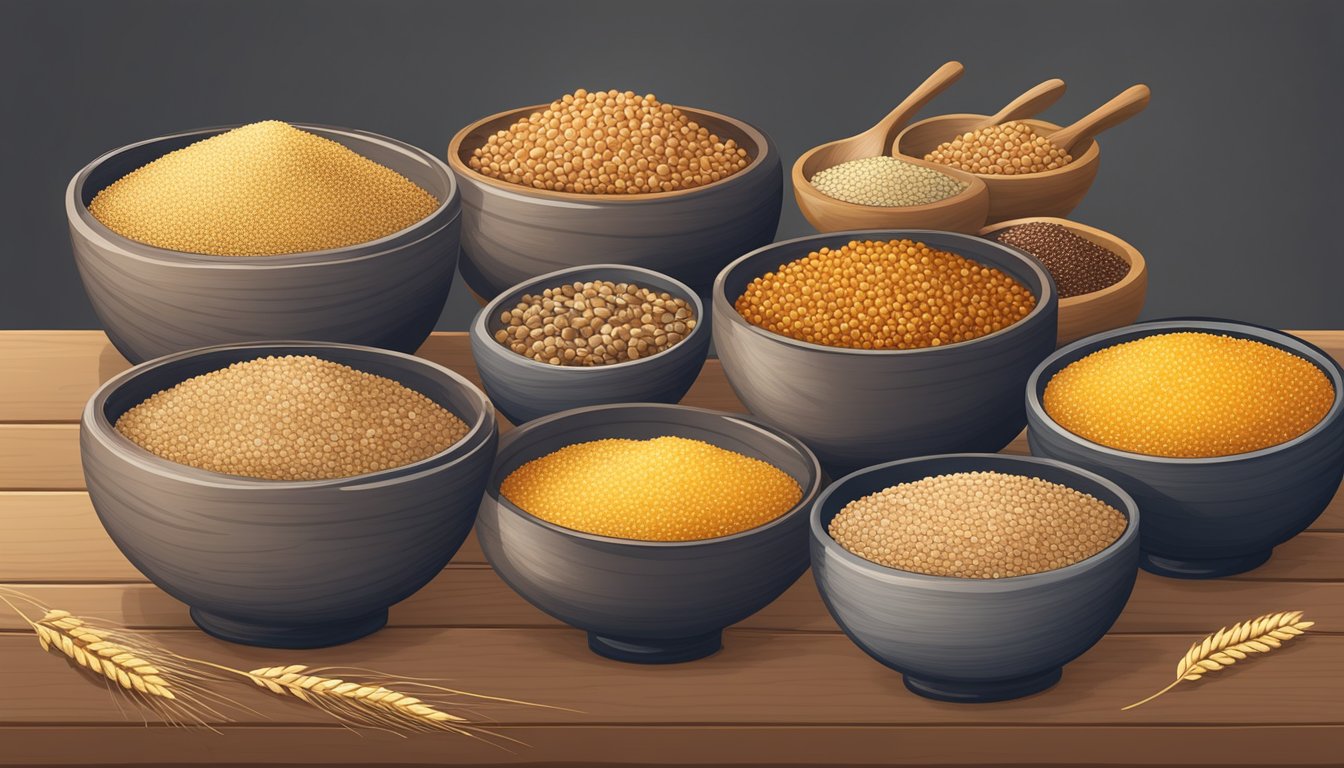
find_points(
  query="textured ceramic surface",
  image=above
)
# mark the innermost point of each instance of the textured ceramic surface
(649, 602)
(1204, 518)
(524, 389)
(385, 293)
(511, 233)
(860, 407)
(286, 564)
(973, 640)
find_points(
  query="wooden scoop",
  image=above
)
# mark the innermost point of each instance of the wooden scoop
(1129, 103)
(1028, 104)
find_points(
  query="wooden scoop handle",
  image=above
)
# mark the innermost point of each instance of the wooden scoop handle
(933, 85)
(1030, 103)
(1129, 103)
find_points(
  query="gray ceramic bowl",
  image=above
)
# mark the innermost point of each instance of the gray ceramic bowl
(642, 601)
(858, 407)
(511, 233)
(524, 389)
(277, 563)
(1204, 518)
(384, 293)
(973, 640)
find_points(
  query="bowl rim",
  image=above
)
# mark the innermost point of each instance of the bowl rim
(1088, 158)
(1047, 295)
(765, 149)
(1211, 325)
(480, 324)
(833, 547)
(1138, 266)
(975, 187)
(79, 216)
(809, 494)
(95, 423)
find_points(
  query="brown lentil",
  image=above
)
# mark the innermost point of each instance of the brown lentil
(1078, 265)
(896, 294)
(885, 181)
(608, 143)
(977, 525)
(262, 189)
(1013, 148)
(595, 323)
(1189, 395)
(662, 489)
(291, 418)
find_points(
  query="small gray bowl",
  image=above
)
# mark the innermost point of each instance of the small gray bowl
(286, 564)
(524, 389)
(1209, 517)
(973, 640)
(645, 601)
(512, 233)
(152, 301)
(857, 407)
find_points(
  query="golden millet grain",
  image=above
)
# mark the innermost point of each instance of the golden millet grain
(1189, 395)
(608, 143)
(662, 489)
(896, 294)
(1012, 148)
(977, 525)
(595, 323)
(291, 418)
(263, 189)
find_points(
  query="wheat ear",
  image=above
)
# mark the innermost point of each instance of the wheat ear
(1227, 646)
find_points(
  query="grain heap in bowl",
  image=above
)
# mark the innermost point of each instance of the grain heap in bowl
(1013, 148)
(1078, 265)
(887, 182)
(661, 489)
(295, 417)
(894, 294)
(1189, 395)
(977, 525)
(263, 189)
(608, 143)
(598, 322)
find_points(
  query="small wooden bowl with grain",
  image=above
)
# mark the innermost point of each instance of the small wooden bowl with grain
(1111, 307)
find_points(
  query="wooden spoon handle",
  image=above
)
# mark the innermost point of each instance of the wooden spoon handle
(935, 84)
(1129, 103)
(1028, 104)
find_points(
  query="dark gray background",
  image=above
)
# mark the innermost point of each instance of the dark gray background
(1228, 183)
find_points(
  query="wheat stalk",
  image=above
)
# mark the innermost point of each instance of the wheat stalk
(1227, 646)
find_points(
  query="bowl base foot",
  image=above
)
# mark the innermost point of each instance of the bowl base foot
(292, 636)
(671, 651)
(1201, 569)
(982, 692)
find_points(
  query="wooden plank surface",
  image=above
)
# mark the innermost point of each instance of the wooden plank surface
(788, 688)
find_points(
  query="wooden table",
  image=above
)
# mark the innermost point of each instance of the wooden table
(787, 688)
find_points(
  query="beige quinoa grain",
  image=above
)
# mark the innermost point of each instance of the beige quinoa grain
(291, 418)
(977, 525)
(885, 181)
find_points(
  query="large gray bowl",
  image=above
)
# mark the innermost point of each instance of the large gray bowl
(512, 233)
(1210, 517)
(524, 389)
(278, 563)
(643, 601)
(857, 407)
(973, 640)
(384, 293)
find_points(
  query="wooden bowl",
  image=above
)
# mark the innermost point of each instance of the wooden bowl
(152, 301)
(1206, 517)
(651, 602)
(524, 389)
(1012, 635)
(1048, 193)
(286, 564)
(962, 212)
(1111, 307)
(511, 233)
